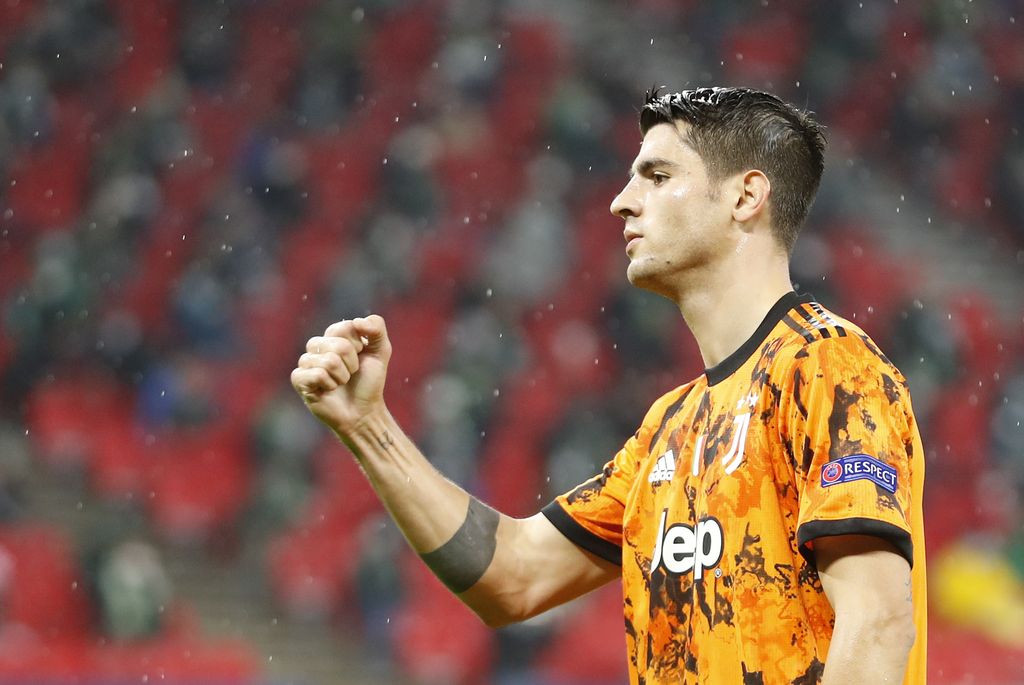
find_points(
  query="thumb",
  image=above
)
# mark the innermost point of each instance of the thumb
(373, 330)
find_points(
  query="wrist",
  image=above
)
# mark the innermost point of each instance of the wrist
(369, 427)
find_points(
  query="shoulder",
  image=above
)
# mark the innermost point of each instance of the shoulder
(829, 353)
(669, 402)
(827, 342)
(664, 408)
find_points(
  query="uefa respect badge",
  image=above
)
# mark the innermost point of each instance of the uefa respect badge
(859, 467)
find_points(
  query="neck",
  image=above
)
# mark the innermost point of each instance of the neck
(724, 308)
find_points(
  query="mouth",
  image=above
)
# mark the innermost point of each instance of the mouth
(632, 238)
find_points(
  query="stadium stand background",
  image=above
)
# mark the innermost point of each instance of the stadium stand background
(191, 189)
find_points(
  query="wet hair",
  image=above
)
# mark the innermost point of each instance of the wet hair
(736, 129)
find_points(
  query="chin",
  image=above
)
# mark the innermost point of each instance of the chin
(641, 276)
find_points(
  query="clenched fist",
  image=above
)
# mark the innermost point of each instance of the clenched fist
(341, 375)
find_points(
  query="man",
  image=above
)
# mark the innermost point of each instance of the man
(766, 517)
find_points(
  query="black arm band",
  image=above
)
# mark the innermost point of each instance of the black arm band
(463, 560)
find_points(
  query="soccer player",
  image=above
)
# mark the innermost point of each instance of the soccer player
(765, 519)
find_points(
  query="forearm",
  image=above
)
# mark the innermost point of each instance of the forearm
(427, 507)
(454, 533)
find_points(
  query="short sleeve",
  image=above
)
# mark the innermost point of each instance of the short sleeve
(849, 429)
(591, 514)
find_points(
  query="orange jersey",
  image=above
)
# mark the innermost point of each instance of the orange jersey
(712, 508)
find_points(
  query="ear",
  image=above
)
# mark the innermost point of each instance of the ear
(753, 190)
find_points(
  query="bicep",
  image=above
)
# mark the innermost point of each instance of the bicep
(863, 574)
(536, 568)
(562, 570)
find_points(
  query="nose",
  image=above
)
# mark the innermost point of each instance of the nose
(626, 203)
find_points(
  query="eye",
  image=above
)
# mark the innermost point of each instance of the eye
(658, 179)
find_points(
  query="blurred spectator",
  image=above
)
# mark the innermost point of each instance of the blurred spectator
(134, 592)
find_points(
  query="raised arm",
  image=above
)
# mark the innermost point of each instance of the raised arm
(504, 569)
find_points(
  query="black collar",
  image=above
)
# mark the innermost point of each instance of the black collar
(728, 366)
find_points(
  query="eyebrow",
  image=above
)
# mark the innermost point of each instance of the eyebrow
(646, 166)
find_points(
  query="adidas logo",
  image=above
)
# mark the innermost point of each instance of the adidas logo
(664, 469)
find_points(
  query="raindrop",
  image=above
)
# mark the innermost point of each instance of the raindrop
(497, 392)
(357, 14)
(652, 41)
(490, 292)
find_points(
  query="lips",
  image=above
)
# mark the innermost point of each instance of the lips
(632, 237)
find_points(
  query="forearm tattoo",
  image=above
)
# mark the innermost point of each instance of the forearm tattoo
(462, 561)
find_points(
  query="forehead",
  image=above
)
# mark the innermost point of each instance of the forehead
(667, 141)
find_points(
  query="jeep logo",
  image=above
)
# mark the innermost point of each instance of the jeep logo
(682, 548)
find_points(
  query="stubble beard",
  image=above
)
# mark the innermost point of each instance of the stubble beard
(650, 273)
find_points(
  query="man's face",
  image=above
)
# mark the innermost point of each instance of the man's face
(675, 220)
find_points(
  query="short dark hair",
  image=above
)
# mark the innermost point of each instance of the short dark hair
(735, 129)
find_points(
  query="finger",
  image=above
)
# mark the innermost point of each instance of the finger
(331, 362)
(341, 328)
(320, 344)
(347, 349)
(311, 383)
(345, 329)
(373, 329)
